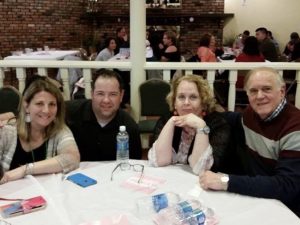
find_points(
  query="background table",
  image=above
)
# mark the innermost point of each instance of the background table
(43, 55)
(69, 204)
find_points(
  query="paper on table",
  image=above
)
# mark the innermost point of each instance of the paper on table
(148, 184)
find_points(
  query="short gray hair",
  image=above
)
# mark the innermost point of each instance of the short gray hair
(277, 76)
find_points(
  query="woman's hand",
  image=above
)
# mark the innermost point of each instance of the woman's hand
(5, 117)
(14, 174)
(2, 123)
(189, 120)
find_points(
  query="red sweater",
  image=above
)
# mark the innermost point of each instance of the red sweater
(272, 158)
(249, 58)
(246, 58)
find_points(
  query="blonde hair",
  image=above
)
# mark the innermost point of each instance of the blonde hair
(38, 85)
(206, 95)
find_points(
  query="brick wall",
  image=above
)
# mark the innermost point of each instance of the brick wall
(34, 23)
(63, 24)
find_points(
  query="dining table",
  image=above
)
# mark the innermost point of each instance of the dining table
(42, 55)
(114, 196)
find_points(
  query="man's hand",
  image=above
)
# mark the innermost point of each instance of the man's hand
(213, 181)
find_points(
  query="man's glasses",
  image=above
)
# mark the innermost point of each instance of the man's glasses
(127, 166)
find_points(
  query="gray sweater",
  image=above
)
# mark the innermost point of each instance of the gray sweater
(55, 148)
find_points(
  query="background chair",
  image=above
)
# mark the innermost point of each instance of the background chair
(153, 94)
(10, 99)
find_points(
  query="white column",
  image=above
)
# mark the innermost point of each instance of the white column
(231, 94)
(21, 75)
(137, 52)
(211, 78)
(87, 75)
(64, 73)
(42, 71)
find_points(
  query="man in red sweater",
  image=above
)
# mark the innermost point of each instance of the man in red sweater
(271, 156)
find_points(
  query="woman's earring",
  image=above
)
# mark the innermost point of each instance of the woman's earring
(27, 118)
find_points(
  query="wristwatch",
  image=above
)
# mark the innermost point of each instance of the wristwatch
(224, 181)
(203, 130)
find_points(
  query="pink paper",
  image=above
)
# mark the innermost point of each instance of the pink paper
(148, 184)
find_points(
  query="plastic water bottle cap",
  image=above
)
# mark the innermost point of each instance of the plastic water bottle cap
(122, 128)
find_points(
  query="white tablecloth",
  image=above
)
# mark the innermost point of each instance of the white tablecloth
(43, 55)
(69, 204)
(118, 57)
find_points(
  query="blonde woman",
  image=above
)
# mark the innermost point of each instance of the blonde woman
(194, 133)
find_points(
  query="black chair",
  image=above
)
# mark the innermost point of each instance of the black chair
(10, 99)
(153, 94)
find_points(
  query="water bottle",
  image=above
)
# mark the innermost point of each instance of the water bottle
(183, 213)
(122, 145)
(149, 205)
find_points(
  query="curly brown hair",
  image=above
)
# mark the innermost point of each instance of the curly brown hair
(205, 92)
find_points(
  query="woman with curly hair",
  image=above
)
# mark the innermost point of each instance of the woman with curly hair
(194, 133)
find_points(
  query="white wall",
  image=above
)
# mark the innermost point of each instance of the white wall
(280, 16)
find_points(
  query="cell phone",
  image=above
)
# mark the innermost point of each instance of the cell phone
(22, 207)
(81, 180)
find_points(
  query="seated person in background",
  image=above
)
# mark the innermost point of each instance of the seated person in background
(39, 142)
(272, 151)
(92, 53)
(294, 37)
(195, 132)
(170, 52)
(74, 73)
(95, 122)
(108, 51)
(275, 42)
(295, 55)
(205, 52)
(240, 40)
(122, 39)
(266, 46)
(250, 53)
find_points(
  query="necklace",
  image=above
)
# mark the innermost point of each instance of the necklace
(44, 147)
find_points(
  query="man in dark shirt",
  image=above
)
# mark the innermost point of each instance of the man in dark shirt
(272, 152)
(95, 123)
(266, 47)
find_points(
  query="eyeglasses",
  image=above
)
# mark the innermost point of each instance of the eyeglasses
(127, 166)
